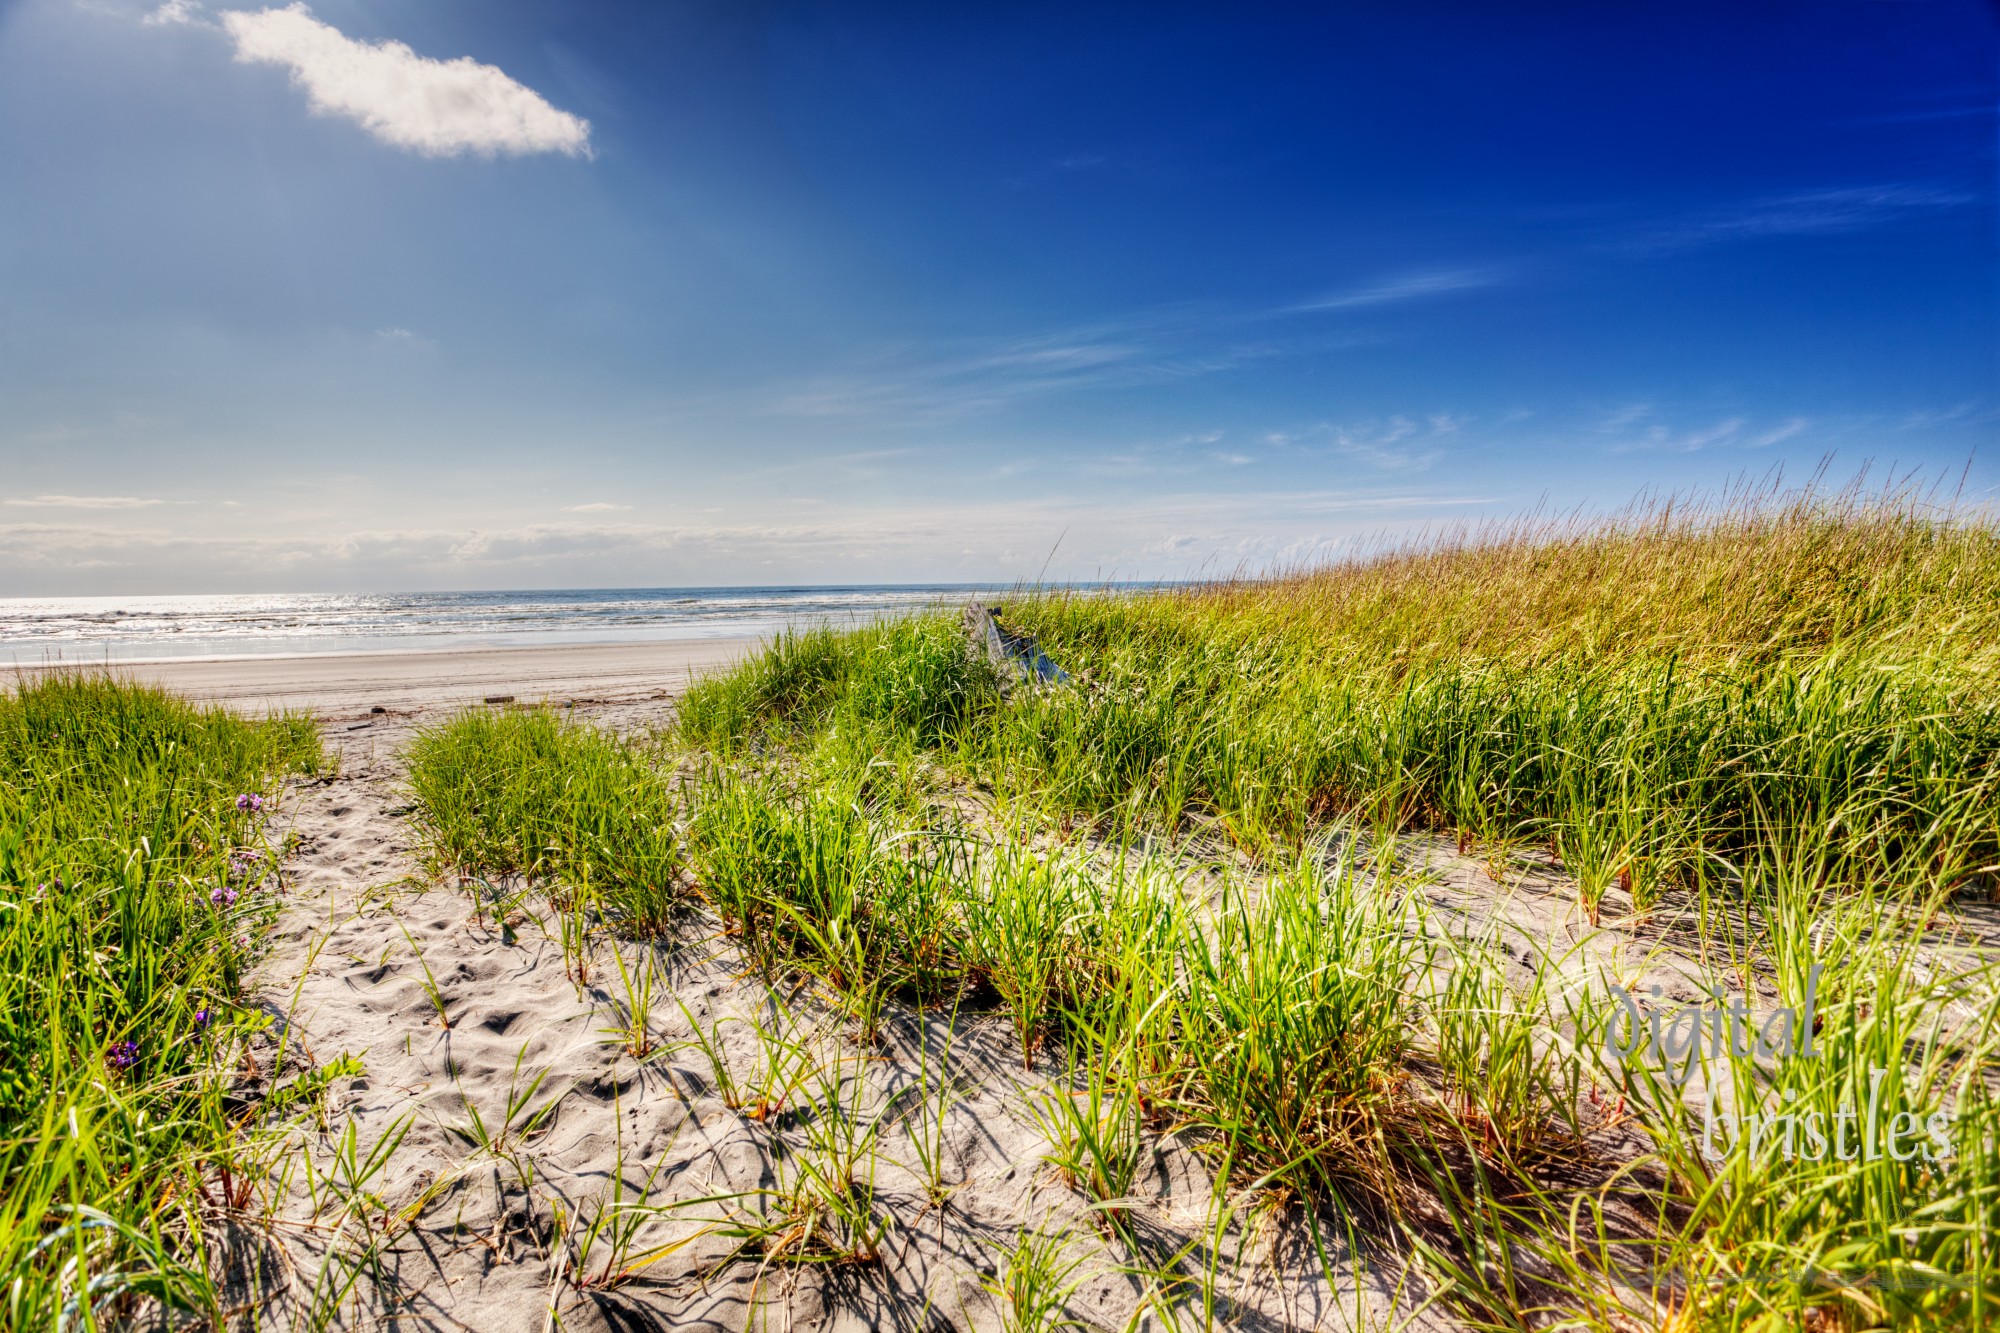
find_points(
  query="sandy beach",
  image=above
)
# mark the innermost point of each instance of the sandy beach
(337, 685)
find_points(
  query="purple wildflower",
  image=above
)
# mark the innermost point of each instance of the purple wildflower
(123, 1055)
(202, 1018)
(249, 802)
(223, 897)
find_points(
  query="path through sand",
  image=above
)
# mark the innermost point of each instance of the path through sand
(483, 1219)
(503, 1144)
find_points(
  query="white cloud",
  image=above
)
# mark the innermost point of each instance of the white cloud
(85, 502)
(172, 12)
(599, 507)
(439, 108)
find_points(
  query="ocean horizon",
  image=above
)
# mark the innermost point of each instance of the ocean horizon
(40, 631)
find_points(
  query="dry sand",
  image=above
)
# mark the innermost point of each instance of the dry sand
(463, 1227)
(336, 685)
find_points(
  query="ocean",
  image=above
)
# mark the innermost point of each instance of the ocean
(87, 630)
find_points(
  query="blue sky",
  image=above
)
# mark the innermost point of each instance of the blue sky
(389, 294)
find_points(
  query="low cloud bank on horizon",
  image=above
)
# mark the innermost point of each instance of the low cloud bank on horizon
(438, 108)
(84, 502)
(1174, 537)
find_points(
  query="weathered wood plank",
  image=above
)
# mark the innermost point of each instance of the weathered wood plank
(1014, 657)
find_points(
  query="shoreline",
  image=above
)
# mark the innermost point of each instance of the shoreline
(440, 643)
(332, 685)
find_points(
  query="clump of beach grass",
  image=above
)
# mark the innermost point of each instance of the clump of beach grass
(1292, 1034)
(910, 677)
(816, 882)
(529, 792)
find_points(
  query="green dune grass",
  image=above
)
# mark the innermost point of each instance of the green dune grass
(1776, 720)
(131, 853)
(1765, 732)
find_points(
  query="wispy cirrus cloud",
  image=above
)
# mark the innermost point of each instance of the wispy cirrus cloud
(1803, 213)
(1640, 430)
(438, 108)
(83, 502)
(1966, 412)
(1394, 289)
(931, 385)
(1400, 443)
(595, 507)
(1783, 431)
(1945, 104)
(1621, 417)
(908, 386)
(1644, 427)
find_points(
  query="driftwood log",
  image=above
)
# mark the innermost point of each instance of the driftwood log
(1015, 658)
